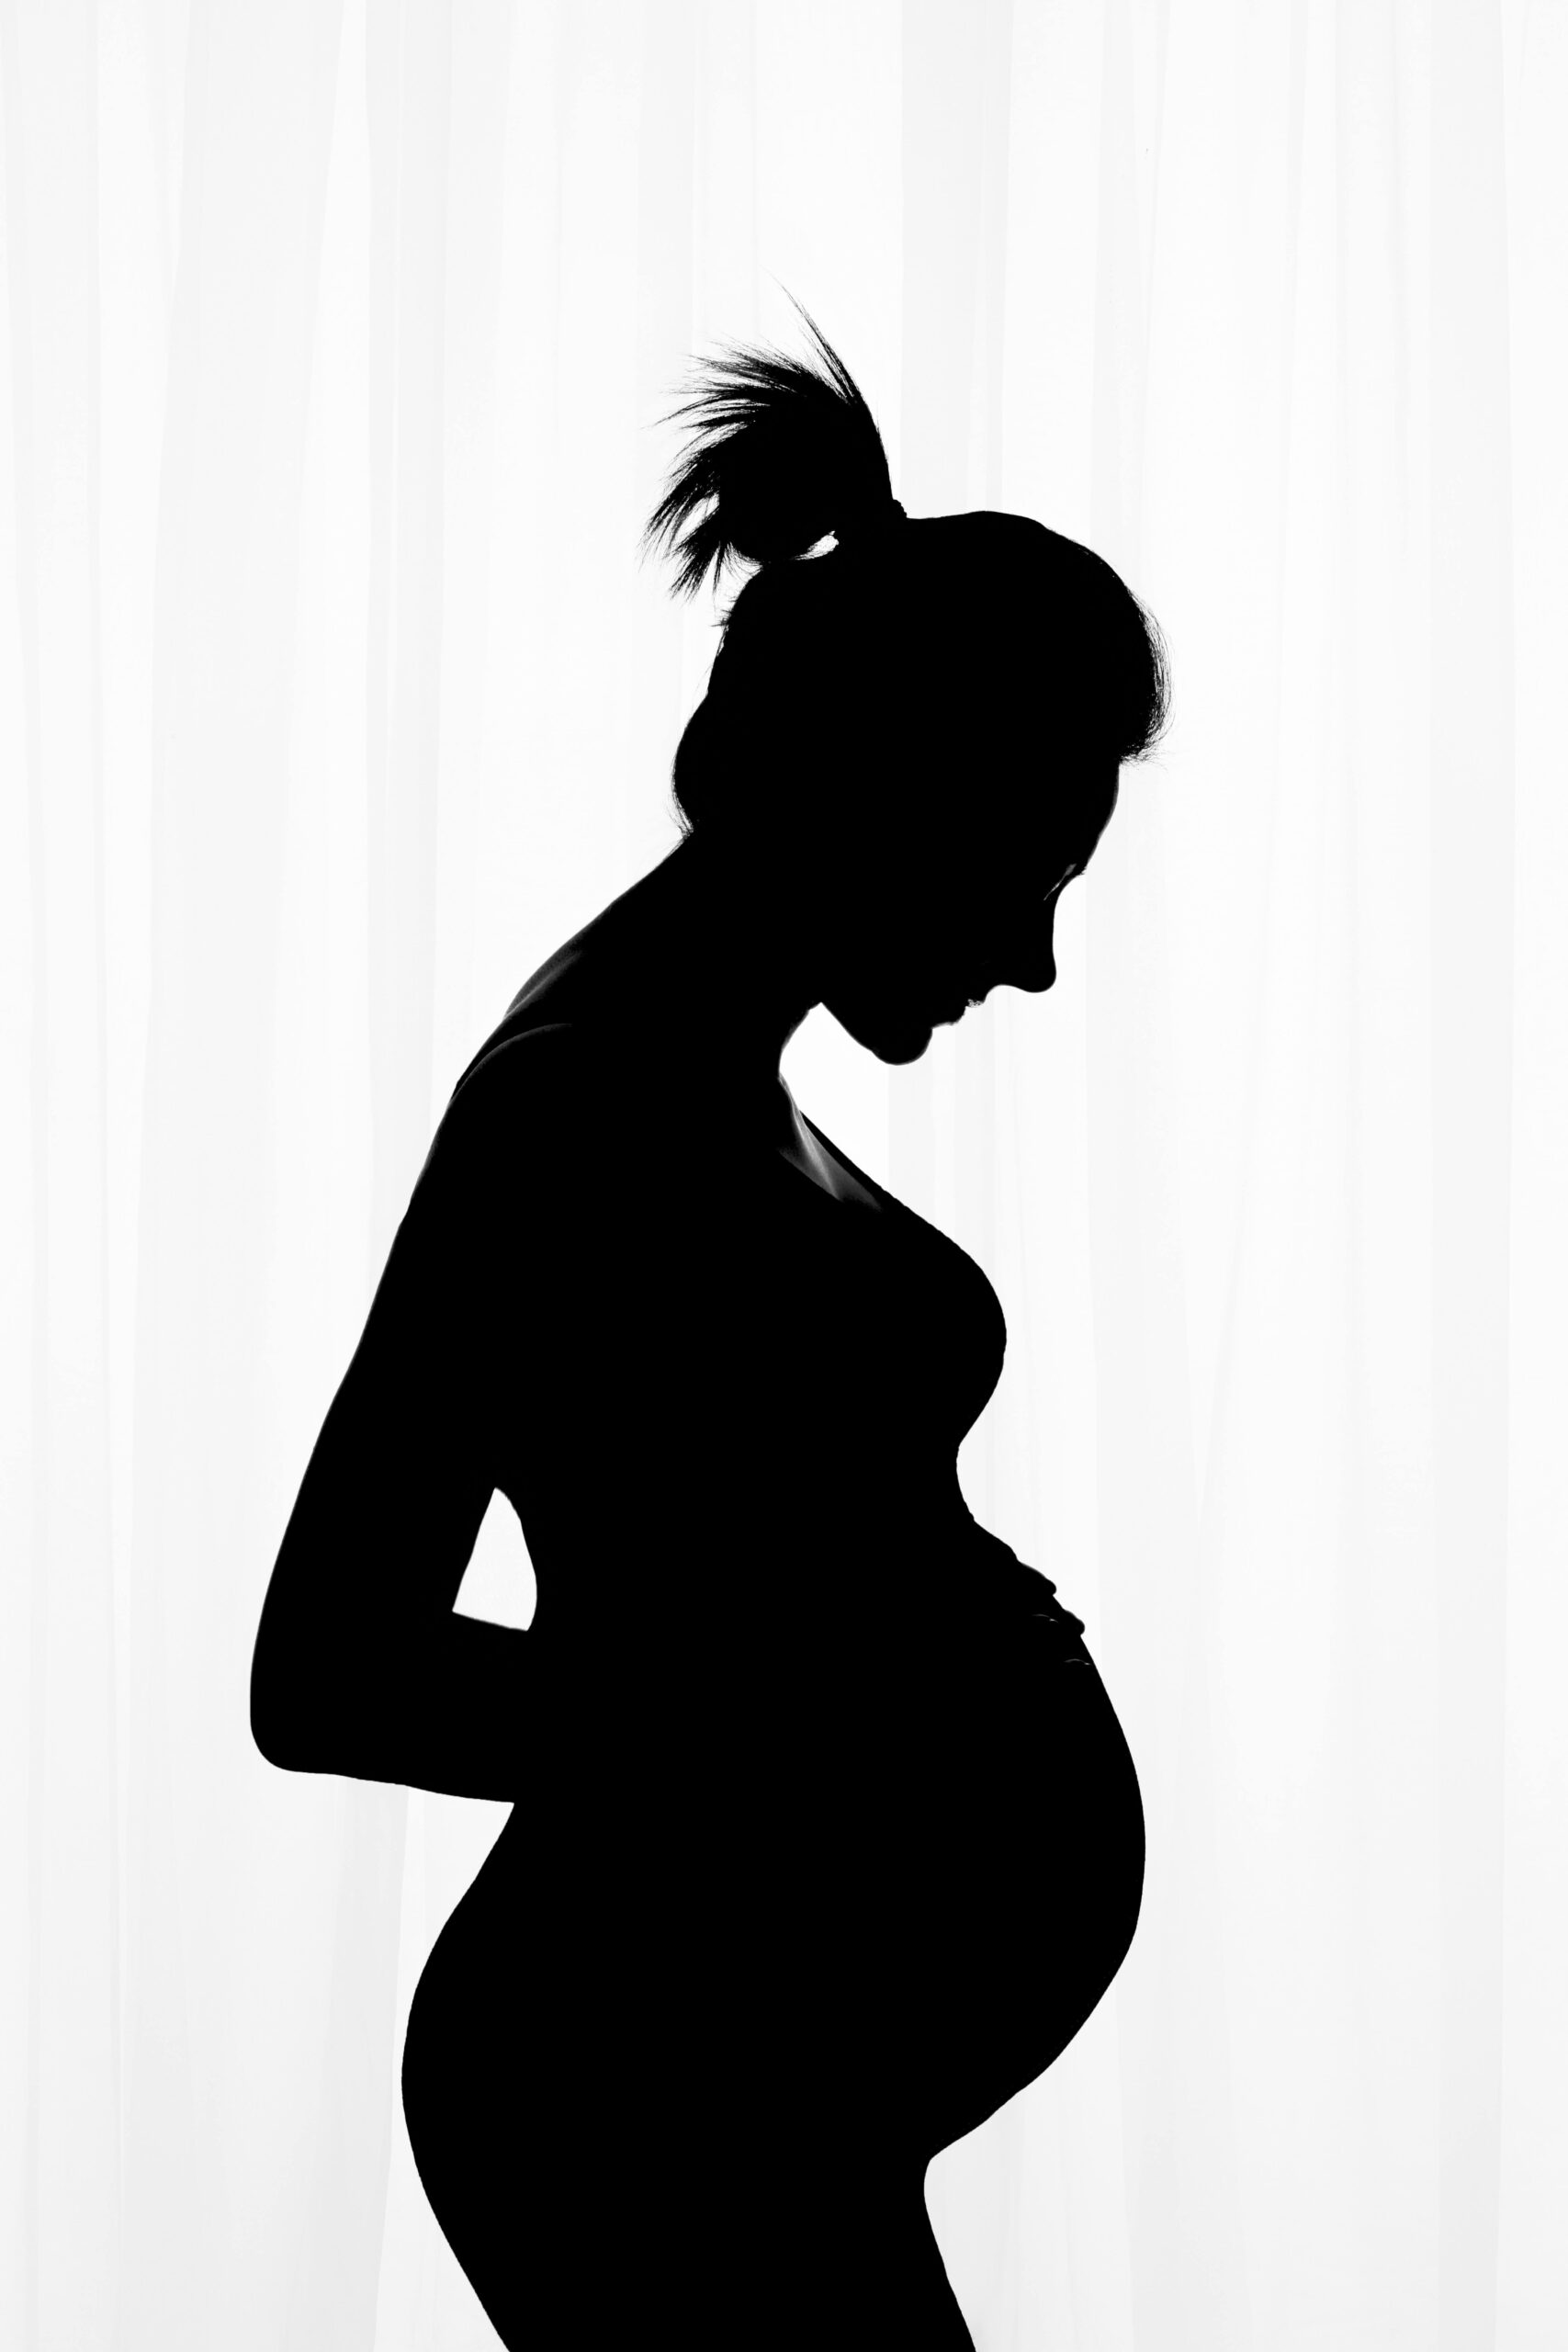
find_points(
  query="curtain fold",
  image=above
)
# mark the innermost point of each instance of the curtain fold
(334, 347)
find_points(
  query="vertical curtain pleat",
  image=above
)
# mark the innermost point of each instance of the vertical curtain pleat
(1532, 2301)
(60, 1947)
(1472, 1018)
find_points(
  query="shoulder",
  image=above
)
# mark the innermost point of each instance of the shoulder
(522, 1077)
(545, 1114)
(517, 1070)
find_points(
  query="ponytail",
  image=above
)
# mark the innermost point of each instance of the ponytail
(780, 453)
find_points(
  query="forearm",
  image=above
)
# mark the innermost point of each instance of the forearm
(447, 1711)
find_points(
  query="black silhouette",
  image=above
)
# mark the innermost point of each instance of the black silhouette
(827, 1839)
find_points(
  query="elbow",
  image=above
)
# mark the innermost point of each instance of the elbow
(274, 1731)
(279, 1721)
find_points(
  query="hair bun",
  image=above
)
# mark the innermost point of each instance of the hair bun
(780, 452)
(865, 521)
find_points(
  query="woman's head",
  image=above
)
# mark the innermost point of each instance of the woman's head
(932, 713)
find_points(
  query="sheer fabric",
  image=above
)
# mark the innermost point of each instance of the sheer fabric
(331, 697)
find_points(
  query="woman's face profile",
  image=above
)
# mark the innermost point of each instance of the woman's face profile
(941, 924)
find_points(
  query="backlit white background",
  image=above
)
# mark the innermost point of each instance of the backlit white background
(332, 340)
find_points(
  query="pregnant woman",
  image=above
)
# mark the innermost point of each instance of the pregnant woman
(826, 1838)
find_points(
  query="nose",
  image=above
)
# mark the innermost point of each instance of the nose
(1035, 959)
(1032, 969)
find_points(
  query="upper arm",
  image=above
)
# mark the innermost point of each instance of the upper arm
(402, 1472)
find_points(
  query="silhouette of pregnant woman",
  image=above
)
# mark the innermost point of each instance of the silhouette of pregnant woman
(826, 1837)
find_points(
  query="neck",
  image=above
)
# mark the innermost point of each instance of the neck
(711, 955)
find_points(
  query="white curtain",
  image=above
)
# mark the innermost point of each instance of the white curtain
(333, 343)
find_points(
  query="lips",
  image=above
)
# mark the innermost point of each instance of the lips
(972, 993)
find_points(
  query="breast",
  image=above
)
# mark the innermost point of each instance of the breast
(750, 1430)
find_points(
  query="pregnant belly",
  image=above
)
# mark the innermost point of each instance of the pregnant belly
(906, 1923)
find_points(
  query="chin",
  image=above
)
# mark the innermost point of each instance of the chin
(906, 1048)
(892, 1037)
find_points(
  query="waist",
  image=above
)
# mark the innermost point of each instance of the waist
(752, 1753)
(750, 1680)
(963, 1585)
(826, 1590)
